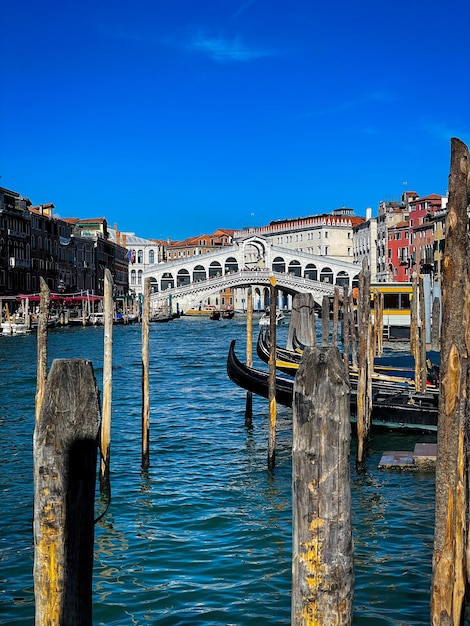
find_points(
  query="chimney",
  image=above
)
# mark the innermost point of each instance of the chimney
(118, 238)
(368, 213)
(124, 240)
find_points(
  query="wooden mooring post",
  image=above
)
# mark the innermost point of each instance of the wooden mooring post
(65, 451)
(325, 321)
(42, 344)
(322, 547)
(302, 321)
(105, 444)
(145, 377)
(364, 384)
(249, 355)
(272, 375)
(450, 569)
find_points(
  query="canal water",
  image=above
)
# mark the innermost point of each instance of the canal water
(205, 536)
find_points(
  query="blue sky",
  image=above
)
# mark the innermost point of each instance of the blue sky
(173, 118)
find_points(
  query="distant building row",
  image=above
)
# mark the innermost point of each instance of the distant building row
(72, 254)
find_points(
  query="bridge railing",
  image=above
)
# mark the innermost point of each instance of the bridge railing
(244, 278)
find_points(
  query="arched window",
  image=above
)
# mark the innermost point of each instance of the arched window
(182, 278)
(311, 271)
(199, 273)
(295, 268)
(167, 282)
(215, 269)
(151, 256)
(140, 256)
(342, 278)
(279, 265)
(231, 265)
(139, 277)
(133, 276)
(326, 275)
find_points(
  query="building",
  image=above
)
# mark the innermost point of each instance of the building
(390, 214)
(15, 243)
(365, 243)
(328, 234)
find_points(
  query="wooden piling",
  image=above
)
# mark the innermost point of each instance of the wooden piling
(249, 355)
(65, 450)
(450, 549)
(334, 335)
(302, 321)
(364, 385)
(436, 326)
(272, 375)
(322, 548)
(108, 304)
(422, 338)
(145, 377)
(325, 321)
(42, 344)
(352, 328)
(346, 322)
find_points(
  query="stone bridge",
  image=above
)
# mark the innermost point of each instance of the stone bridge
(249, 262)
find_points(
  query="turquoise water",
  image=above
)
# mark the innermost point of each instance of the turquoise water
(205, 536)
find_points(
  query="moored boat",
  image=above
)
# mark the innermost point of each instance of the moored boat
(393, 407)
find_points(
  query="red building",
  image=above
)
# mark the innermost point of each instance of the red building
(398, 250)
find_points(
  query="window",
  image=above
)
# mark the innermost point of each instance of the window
(151, 256)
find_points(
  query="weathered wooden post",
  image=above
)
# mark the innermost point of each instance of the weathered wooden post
(364, 408)
(422, 338)
(414, 329)
(325, 321)
(346, 322)
(322, 548)
(352, 326)
(42, 344)
(436, 326)
(249, 355)
(334, 336)
(105, 485)
(65, 450)
(302, 321)
(449, 559)
(145, 377)
(272, 375)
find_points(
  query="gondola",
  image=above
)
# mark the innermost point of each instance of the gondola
(394, 408)
(227, 314)
(214, 315)
(288, 361)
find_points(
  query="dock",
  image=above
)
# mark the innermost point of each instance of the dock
(423, 457)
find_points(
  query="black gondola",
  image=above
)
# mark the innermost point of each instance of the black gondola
(393, 408)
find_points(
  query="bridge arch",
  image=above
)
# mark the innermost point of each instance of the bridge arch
(342, 278)
(167, 281)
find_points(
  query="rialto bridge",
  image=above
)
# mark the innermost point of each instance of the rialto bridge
(201, 281)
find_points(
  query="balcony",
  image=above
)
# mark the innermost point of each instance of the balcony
(18, 234)
(24, 264)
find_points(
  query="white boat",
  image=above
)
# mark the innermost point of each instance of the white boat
(265, 320)
(13, 328)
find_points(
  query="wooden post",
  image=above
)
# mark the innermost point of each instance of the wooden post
(145, 377)
(325, 321)
(334, 336)
(364, 407)
(322, 547)
(449, 560)
(380, 328)
(42, 344)
(302, 321)
(346, 322)
(272, 375)
(422, 338)
(352, 326)
(108, 304)
(65, 450)
(249, 355)
(414, 342)
(436, 326)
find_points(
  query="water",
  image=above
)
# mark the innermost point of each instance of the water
(205, 536)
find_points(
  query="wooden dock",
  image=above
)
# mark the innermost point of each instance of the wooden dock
(423, 457)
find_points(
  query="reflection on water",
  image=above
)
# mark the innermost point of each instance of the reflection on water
(204, 536)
